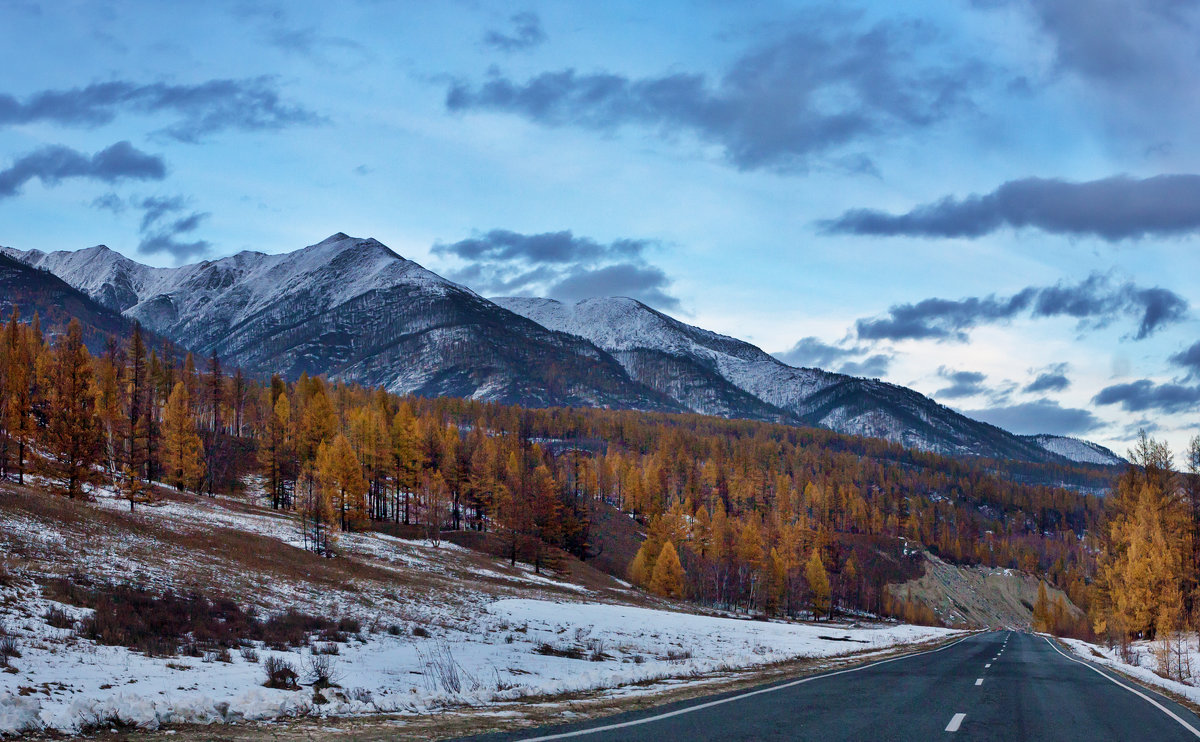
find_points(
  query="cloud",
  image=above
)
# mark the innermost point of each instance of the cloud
(818, 92)
(526, 34)
(547, 247)
(1188, 359)
(1095, 302)
(50, 165)
(250, 104)
(812, 352)
(1145, 394)
(559, 265)
(109, 202)
(642, 282)
(1053, 379)
(165, 229)
(1038, 416)
(1112, 209)
(873, 366)
(962, 383)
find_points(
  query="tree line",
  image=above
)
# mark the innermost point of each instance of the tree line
(739, 514)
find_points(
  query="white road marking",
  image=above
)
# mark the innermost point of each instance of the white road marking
(1135, 692)
(720, 701)
(955, 723)
(979, 681)
(987, 665)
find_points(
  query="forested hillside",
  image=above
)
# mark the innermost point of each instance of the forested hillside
(737, 514)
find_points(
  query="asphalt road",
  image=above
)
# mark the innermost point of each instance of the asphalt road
(993, 686)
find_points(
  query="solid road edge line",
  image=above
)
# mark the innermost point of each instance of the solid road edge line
(1134, 691)
(738, 697)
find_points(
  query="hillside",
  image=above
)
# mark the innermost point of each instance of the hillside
(409, 627)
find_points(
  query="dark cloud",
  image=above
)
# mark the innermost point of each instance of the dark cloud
(110, 202)
(1112, 209)
(165, 228)
(642, 282)
(962, 383)
(216, 105)
(547, 247)
(813, 93)
(1038, 416)
(559, 265)
(1189, 359)
(811, 352)
(1144, 394)
(526, 33)
(1095, 302)
(873, 366)
(121, 161)
(1053, 379)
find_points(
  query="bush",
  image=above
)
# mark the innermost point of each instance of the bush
(58, 618)
(329, 648)
(322, 671)
(280, 673)
(8, 647)
(571, 653)
(421, 632)
(250, 654)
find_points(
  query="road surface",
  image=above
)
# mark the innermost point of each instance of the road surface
(993, 686)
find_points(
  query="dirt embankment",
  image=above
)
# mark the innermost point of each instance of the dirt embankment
(979, 597)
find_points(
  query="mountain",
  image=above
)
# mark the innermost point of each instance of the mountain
(654, 348)
(1084, 452)
(353, 309)
(55, 302)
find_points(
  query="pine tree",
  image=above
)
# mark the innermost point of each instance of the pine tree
(183, 452)
(71, 436)
(668, 577)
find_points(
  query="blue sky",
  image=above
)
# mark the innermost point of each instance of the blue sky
(994, 202)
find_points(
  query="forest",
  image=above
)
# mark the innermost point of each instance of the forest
(747, 516)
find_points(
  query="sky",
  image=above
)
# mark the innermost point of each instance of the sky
(994, 202)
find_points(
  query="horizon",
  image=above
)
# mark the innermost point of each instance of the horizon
(1010, 233)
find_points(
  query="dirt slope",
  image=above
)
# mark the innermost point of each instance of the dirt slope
(979, 597)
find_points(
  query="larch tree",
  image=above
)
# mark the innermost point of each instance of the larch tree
(818, 584)
(668, 579)
(71, 435)
(20, 353)
(183, 452)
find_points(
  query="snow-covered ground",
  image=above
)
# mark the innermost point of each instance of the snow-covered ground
(442, 626)
(1144, 663)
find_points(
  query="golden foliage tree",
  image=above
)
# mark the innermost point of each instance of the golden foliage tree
(668, 578)
(818, 584)
(71, 435)
(183, 452)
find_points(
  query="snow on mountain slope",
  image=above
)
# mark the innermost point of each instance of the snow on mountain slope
(634, 333)
(353, 309)
(639, 336)
(1085, 452)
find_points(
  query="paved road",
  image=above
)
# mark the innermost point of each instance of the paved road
(993, 686)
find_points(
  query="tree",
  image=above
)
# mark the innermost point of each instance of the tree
(341, 479)
(70, 436)
(183, 453)
(668, 578)
(1041, 609)
(20, 356)
(818, 584)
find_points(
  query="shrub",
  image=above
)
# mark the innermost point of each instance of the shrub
(8, 647)
(322, 671)
(250, 654)
(329, 648)
(280, 673)
(58, 618)
(550, 650)
(421, 632)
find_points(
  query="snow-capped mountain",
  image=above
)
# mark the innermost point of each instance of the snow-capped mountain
(353, 309)
(1085, 452)
(654, 348)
